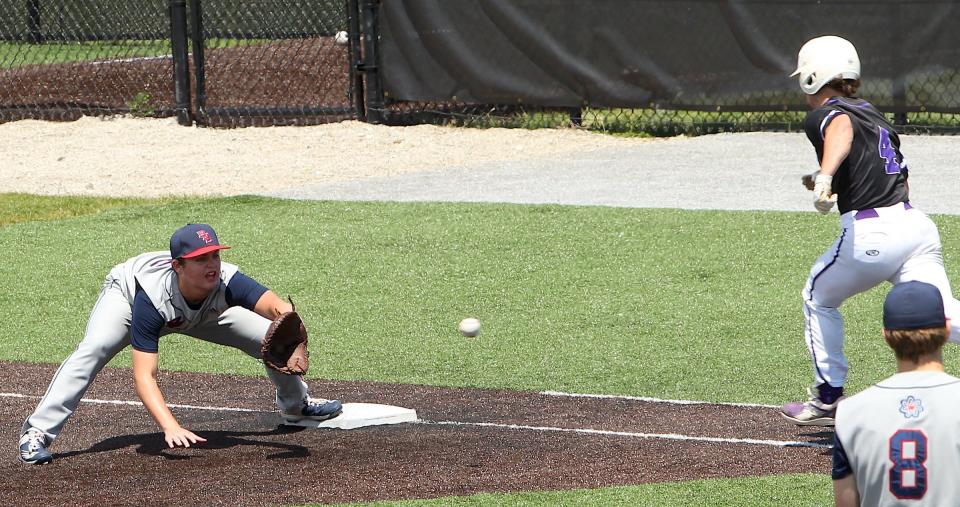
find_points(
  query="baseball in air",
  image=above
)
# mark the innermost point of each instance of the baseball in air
(341, 37)
(469, 327)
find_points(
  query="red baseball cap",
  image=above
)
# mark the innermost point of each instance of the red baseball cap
(193, 240)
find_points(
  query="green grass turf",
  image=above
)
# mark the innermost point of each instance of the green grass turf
(801, 490)
(19, 54)
(25, 207)
(666, 303)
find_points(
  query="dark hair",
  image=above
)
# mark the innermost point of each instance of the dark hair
(911, 344)
(848, 87)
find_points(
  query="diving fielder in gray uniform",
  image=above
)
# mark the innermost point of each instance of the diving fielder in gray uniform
(187, 290)
(898, 442)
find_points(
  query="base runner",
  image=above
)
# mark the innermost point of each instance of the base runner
(883, 237)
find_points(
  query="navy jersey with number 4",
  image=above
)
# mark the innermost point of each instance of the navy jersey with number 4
(873, 175)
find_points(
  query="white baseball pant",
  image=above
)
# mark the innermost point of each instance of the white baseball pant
(895, 244)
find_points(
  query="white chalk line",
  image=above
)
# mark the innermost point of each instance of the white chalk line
(519, 427)
(134, 59)
(140, 404)
(661, 436)
(655, 400)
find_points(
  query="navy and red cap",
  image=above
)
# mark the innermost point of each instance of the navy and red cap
(913, 305)
(193, 240)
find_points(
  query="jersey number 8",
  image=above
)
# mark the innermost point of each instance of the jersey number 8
(908, 476)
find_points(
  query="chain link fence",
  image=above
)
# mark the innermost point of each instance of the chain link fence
(922, 103)
(275, 62)
(70, 58)
(248, 62)
(652, 121)
(657, 66)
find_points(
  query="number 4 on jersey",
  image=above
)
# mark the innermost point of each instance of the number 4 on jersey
(887, 153)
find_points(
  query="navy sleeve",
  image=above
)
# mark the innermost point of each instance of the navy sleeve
(145, 324)
(244, 291)
(841, 465)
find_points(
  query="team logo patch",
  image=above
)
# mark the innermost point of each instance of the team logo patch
(911, 407)
(873, 253)
(204, 236)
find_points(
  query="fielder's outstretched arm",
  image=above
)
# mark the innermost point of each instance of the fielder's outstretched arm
(270, 306)
(145, 380)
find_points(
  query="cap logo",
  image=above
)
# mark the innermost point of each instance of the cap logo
(193, 240)
(204, 236)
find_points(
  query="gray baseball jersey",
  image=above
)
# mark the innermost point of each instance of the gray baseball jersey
(901, 440)
(151, 272)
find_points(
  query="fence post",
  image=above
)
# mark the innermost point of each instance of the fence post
(576, 116)
(899, 99)
(34, 36)
(368, 66)
(181, 69)
(356, 81)
(197, 39)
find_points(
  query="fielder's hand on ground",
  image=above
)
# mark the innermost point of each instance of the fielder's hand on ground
(181, 437)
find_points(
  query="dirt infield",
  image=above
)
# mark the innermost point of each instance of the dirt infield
(290, 74)
(469, 441)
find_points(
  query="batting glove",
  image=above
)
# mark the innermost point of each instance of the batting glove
(825, 198)
(808, 179)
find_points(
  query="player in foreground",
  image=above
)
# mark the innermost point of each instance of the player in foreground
(898, 442)
(187, 290)
(882, 236)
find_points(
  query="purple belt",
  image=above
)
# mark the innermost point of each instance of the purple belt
(872, 213)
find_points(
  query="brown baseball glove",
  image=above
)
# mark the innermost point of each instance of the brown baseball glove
(285, 345)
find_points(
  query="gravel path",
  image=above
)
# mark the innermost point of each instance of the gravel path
(726, 171)
(357, 161)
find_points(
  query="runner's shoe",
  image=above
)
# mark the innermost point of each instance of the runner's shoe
(812, 412)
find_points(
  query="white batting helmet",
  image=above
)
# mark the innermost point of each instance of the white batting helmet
(824, 59)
